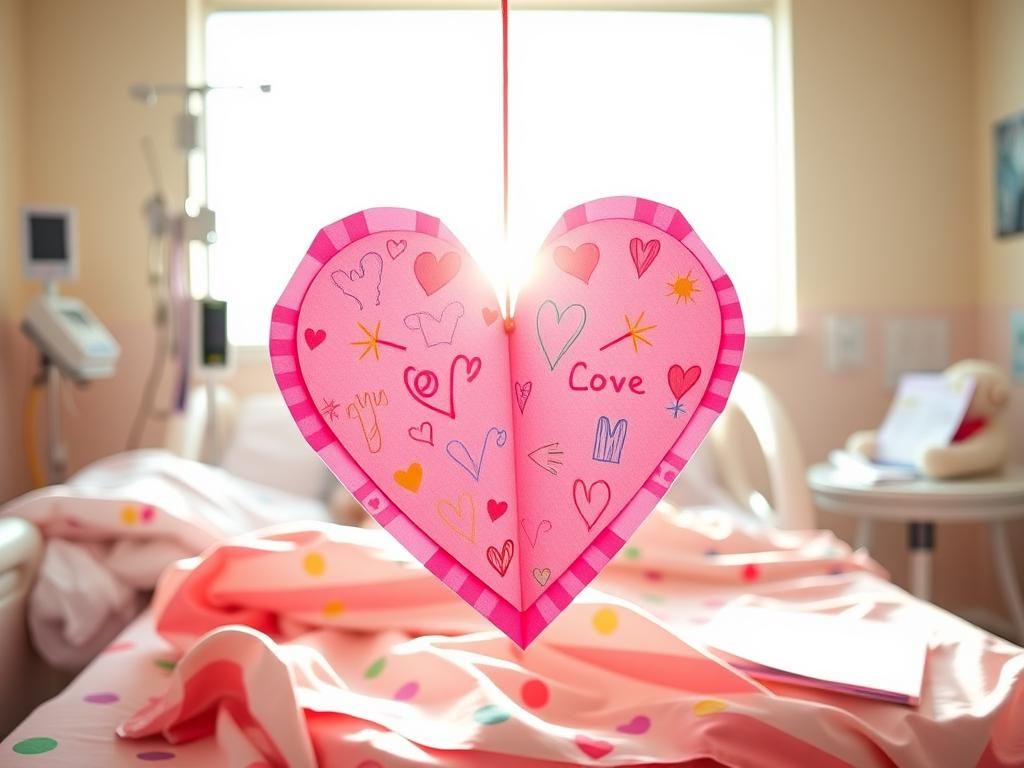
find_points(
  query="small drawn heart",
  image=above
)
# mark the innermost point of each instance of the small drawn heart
(595, 748)
(541, 575)
(643, 254)
(460, 517)
(424, 433)
(500, 561)
(542, 527)
(554, 336)
(496, 509)
(490, 315)
(373, 502)
(523, 394)
(433, 273)
(681, 381)
(396, 248)
(639, 724)
(410, 478)
(315, 338)
(591, 502)
(580, 263)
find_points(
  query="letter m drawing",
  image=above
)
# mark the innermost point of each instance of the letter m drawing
(608, 442)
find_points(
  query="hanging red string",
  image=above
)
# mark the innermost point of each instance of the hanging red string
(504, 150)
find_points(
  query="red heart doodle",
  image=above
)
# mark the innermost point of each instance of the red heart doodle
(591, 502)
(643, 254)
(580, 263)
(500, 561)
(680, 381)
(315, 338)
(424, 384)
(496, 508)
(424, 433)
(432, 273)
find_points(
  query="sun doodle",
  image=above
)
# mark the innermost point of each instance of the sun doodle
(683, 288)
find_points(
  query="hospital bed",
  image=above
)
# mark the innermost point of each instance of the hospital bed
(752, 462)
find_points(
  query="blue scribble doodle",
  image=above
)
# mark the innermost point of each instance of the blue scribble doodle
(362, 285)
(459, 453)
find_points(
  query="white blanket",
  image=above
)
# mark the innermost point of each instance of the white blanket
(113, 528)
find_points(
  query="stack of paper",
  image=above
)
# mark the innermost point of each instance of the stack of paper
(862, 657)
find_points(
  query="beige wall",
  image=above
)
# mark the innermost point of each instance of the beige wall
(885, 174)
(79, 60)
(12, 143)
(998, 33)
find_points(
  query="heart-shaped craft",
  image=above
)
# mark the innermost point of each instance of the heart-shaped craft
(513, 465)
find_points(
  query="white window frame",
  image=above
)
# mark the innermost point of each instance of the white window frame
(778, 11)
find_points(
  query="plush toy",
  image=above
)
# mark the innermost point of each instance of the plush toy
(980, 445)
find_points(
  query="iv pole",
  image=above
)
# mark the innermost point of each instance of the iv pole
(186, 228)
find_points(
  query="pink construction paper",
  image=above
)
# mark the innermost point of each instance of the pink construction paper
(513, 465)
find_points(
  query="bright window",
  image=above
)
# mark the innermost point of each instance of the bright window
(403, 108)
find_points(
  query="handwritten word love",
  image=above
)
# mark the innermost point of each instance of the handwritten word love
(599, 381)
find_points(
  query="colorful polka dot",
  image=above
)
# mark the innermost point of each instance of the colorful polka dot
(535, 694)
(129, 515)
(314, 564)
(631, 553)
(35, 746)
(708, 707)
(167, 664)
(148, 514)
(407, 690)
(376, 668)
(156, 756)
(606, 621)
(638, 726)
(101, 698)
(750, 572)
(333, 608)
(490, 714)
(654, 575)
(653, 598)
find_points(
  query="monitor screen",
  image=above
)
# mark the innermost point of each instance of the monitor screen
(214, 333)
(49, 241)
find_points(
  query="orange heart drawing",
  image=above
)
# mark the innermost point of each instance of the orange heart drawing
(410, 478)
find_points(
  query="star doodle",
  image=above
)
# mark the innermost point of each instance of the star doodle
(373, 342)
(635, 334)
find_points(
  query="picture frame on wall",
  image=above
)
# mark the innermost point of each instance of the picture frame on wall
(1009, 175)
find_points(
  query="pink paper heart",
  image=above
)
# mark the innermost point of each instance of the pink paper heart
(568, 411)
(595, 748)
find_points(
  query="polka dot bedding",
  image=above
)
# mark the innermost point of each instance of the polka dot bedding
(328, 646)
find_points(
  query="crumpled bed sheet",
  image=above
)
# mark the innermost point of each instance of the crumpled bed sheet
(114, 527)
(327, 646)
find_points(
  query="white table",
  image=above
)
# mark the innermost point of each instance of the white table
(922, 504)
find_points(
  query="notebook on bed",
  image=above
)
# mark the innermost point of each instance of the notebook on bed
(841, 654)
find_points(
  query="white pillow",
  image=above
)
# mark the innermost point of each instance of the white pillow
(266, 447)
